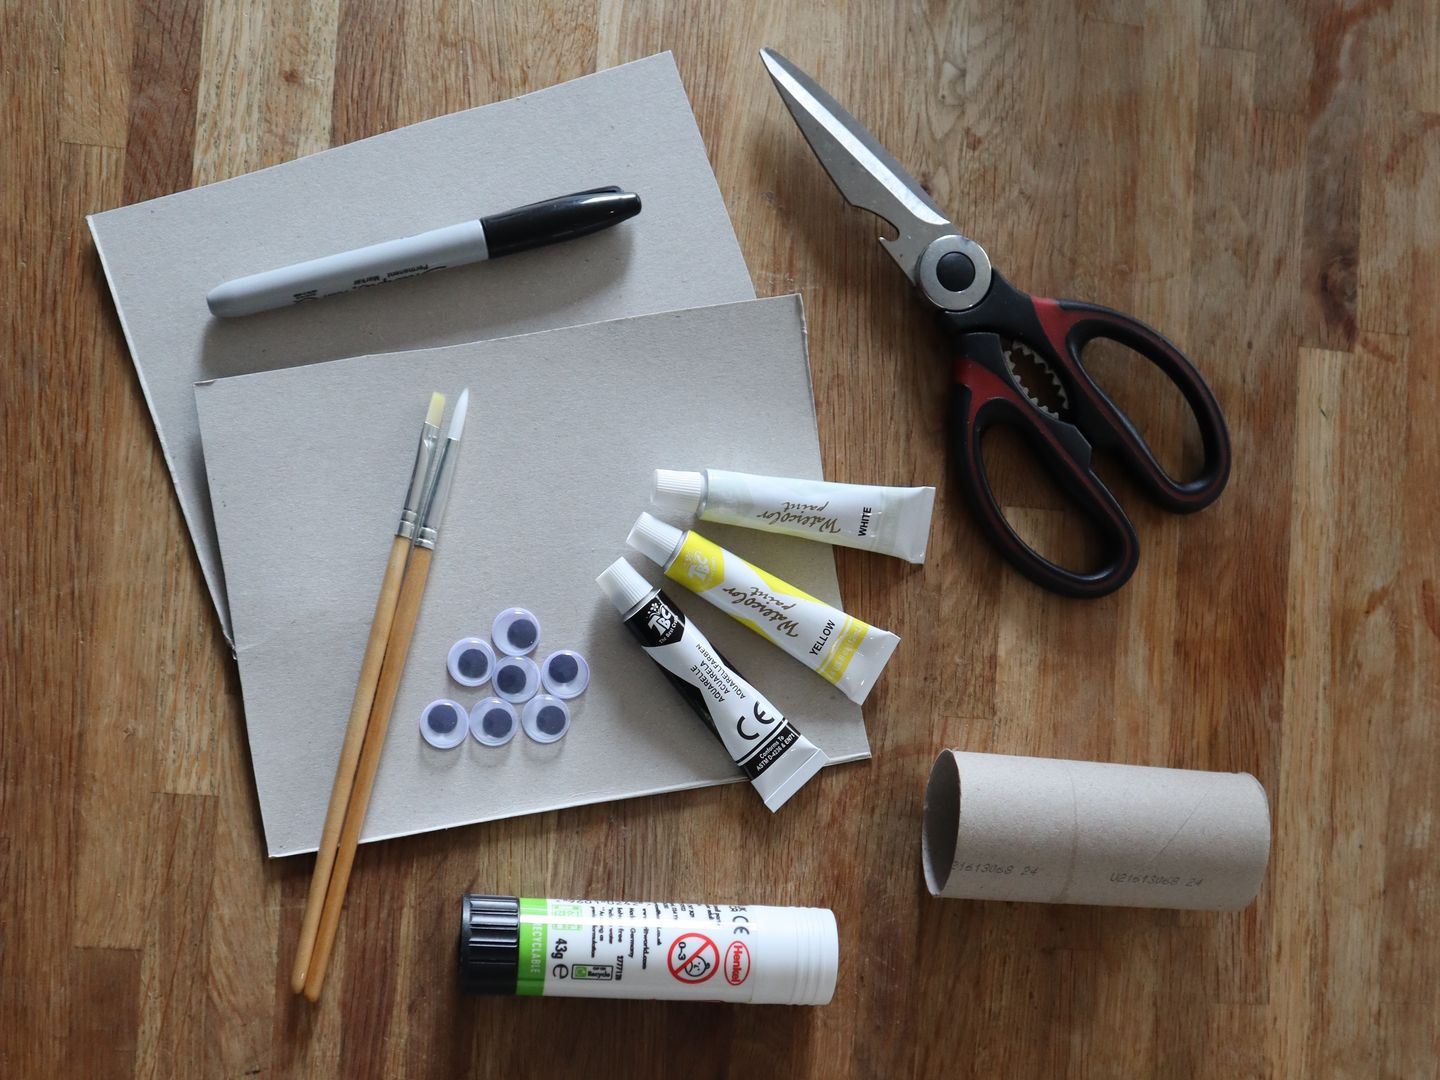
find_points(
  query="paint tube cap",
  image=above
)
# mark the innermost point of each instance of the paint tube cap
(623, 586)
(679, 491)
(655, 539)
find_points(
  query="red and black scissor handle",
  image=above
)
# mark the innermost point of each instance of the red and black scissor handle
(986, 395)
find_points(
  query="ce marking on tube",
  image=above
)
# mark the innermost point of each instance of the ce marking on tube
(740, 924)
(760, 718)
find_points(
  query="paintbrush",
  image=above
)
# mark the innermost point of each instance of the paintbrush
(407, 610)
(365, 689)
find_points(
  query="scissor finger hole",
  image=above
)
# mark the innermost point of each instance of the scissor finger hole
(1043, 515)
(1157, 409)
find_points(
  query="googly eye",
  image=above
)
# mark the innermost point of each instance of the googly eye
(516, 631)
(443, 724)
(471, 661)
(493, 722)
(516, 679)
(546, 718)
(565, 674)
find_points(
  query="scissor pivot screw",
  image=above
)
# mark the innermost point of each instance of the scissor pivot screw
(955, 271)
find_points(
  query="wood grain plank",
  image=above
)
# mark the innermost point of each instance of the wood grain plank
(1297, 875)
(243, 957)
(1392, 187)
(95, 69)
(163, 73)
(179, 876)
(265, 86)
(104, 1011)
(1334, 161)
(1409, 916)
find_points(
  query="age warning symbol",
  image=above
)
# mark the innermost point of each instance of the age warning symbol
(693, 958)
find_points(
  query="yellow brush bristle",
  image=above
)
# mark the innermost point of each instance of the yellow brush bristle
(437, 409)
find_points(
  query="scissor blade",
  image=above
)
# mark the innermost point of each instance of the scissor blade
(863, 170)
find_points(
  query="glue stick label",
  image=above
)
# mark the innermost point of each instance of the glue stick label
(633, 948)
(775, 757)
(654, 950)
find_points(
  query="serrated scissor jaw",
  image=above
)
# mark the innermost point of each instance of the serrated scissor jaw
(1055, 399)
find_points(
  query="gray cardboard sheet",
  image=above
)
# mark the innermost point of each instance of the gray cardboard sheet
(630, 125)
(307, 467)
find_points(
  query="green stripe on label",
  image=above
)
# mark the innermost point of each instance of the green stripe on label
(534, 944)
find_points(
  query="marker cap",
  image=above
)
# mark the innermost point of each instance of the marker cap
(655, 539)
(682, 492)
(623, 586)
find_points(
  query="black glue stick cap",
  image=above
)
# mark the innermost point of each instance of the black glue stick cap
(489, 953)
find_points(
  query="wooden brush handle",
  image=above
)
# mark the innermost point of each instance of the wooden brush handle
(349, 756)
(407, 610)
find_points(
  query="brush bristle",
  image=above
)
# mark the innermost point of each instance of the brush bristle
(457, 419)
(437, 409)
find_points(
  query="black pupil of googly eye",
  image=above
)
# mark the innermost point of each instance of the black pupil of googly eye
(564, 669)
(496, 723)
(510, 679)
(522, 633)
(473, 664)
(443, 719)
(550, 720)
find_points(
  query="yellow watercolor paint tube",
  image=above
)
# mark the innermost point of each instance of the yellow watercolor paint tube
(840, 648)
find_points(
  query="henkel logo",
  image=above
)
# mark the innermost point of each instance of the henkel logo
(737, 963)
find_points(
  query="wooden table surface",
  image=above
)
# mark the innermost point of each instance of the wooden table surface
(1260, 180)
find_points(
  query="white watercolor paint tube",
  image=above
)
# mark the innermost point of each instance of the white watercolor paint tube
(891, 520)
(1051, 831)
(646, 949)
(838, 647)
(770, 751)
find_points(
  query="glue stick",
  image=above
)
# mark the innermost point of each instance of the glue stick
(647, 949)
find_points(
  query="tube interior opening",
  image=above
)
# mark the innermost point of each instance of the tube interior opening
(941, 825)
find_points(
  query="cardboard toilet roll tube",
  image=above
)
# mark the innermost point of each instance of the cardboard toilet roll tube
(1051, 831)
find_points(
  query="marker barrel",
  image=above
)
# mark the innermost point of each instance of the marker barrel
(377, 264)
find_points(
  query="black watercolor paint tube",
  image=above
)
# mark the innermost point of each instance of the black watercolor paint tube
(774, 756)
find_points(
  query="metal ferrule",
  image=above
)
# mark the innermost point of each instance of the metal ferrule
(424, 454)
(438, 495)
